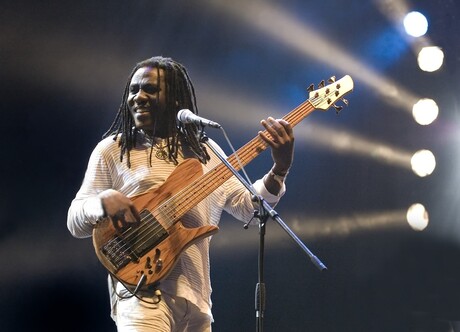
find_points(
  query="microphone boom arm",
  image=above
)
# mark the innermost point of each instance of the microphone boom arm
(269, 210)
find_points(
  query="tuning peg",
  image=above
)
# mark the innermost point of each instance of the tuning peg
(345, 101)
(311, 88)
(331, 79)
(321, 84)
(337, 108)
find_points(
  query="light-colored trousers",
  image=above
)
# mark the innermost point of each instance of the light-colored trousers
(171, 314)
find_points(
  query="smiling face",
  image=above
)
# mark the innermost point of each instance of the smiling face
(147, 99)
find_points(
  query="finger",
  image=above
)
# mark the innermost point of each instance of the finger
(135, 213)
(266, 139)
(129, 218)
(274, 128)
(287, 127)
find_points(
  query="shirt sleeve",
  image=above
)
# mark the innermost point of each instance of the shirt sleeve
(86, 208)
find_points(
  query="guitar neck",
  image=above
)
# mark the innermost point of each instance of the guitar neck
(191, 195)
(254, 147)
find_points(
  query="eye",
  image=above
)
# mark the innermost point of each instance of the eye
(134, 88)
(150, 88)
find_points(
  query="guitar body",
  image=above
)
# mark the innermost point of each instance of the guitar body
(152, 247)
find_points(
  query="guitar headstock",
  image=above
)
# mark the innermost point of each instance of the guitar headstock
(326, 96)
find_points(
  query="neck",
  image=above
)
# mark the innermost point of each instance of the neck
(150, 133)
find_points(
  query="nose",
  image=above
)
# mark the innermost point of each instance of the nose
(140, 97)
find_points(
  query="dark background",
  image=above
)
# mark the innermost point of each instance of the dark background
(63, 66)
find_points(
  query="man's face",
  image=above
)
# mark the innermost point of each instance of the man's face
(146, 99)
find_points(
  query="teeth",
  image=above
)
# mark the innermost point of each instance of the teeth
(142, 109)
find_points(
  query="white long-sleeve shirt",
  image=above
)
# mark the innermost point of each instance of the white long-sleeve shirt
(190, 278)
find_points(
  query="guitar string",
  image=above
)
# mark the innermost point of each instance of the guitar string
(172, 215)
(114, 250)
(301, 107)
(167, 212)
(136, 232)
(134, 236)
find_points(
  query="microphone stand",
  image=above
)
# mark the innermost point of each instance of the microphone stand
(263, 213)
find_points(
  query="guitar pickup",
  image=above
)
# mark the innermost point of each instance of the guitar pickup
(134, 242)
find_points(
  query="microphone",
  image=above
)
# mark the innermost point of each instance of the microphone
(186, 116)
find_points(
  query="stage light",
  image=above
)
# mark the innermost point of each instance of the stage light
(425, 111)
(417, 217)
(423, 163)
(415, 24)
(430, 58)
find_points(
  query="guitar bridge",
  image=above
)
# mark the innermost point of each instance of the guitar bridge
(134, 242)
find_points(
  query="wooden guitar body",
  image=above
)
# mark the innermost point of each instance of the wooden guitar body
(153, 246)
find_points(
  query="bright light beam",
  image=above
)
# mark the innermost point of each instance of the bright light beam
(346, 142)
(288, 30)
(312, 228)
(343, 226)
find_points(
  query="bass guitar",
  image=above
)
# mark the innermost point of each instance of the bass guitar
(142, 254)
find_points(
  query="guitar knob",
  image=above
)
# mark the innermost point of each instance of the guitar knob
(148, 263)
(158, 265)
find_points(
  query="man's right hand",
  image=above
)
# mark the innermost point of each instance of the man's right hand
(119, 208)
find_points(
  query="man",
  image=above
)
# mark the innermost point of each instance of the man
(143, 146)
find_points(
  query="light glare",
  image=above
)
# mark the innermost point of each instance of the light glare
(417, 217)
(430, 58)
(425, 111)
(416, 24)
(423, 163)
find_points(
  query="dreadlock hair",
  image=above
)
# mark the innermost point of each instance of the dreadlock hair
(180, 93)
